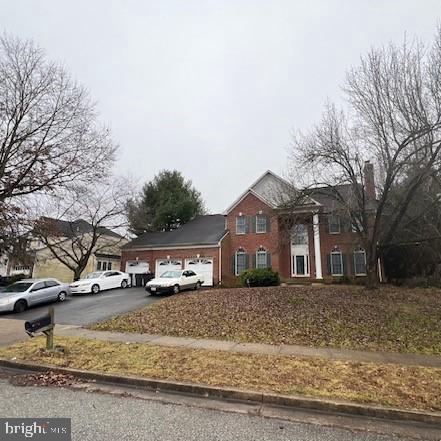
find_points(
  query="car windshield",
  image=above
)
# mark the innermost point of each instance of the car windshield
(171, 274)
(94, 275)
(18, 287)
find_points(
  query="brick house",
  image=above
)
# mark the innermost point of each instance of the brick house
(311, 241)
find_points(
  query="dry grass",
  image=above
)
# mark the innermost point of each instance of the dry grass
(389, 319)
(391, 385)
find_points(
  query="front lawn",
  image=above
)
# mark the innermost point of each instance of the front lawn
(408, 387)
(389, 319)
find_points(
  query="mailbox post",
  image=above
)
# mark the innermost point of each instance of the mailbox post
(45, 325)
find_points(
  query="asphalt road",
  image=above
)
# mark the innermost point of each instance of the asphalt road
(86, 309)
(105, 417)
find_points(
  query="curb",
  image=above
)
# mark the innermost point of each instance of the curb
(229, 394)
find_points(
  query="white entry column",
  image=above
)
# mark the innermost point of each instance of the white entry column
(317, 248)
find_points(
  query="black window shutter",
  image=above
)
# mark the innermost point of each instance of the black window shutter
(233, 259)
(252, 220)
(345, 265)
(328, 219)
(268, 228)
(351, 264)
(268, 260)
(254, 261)
(345, 225)
(247, 261)
(247, 224)
(328, 259)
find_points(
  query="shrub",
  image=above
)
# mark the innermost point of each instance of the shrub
(260, 277)
(5, 281)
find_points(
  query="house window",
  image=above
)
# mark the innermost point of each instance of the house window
(334, 224)
(103, 265)
(261, 225)
(261, 258)
(241, 224)
(299, 235)
(336, 263)
(360, 262)
(241, 262)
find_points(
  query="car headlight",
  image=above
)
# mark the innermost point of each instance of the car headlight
(4, 301)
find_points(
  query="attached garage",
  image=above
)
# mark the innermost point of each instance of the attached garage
(163, 265)
(202, 266)
(196, 245)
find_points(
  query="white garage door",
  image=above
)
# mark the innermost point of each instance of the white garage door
(202, 266)
(137, 267)
(163, 265)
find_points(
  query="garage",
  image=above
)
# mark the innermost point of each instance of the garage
(202, 266)
(163, 265)
(137, 269)
(195, 245)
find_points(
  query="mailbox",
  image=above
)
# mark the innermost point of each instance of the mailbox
(43, 324)
(39, 324)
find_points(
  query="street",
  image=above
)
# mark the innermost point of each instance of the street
(98, 416)
(86, 309)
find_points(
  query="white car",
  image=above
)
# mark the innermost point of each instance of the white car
(175, 281)
(100, 281)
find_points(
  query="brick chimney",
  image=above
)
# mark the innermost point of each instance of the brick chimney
(369, 180)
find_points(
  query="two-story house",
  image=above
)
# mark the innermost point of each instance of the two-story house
(312, 240)
(37, 260)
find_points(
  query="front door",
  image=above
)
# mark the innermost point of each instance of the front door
(300, 251)
(300, 265)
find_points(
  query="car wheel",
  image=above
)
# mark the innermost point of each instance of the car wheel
(198, 286)
(95, 289)
(62, 296)
(176, 289)
(20, 306)
(124, 284)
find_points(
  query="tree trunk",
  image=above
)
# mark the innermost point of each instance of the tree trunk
(372, 281)
(77, 272)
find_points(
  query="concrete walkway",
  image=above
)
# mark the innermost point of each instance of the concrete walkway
(12, 331)
(253, 348)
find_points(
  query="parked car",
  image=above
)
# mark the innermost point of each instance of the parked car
(21, 295)
(100, 281)
(175, 281)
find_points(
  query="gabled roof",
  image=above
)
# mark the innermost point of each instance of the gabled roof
(272, 190)
(203, 230)
(71, 228)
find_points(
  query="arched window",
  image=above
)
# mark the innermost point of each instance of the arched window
(240, 261)
(261, 258)
(360, 262)
(336, 263)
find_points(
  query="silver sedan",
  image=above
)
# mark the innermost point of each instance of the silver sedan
(29, 292)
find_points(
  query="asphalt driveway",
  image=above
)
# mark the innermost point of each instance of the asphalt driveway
(86, 309)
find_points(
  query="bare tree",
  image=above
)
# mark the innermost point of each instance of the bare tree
(49, 135)
(85, 222)
(393, 119)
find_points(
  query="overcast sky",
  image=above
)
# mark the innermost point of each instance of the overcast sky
(212, 88)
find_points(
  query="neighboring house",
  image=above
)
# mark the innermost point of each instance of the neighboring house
(198, 244)
(107, 254)
(313, 240)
